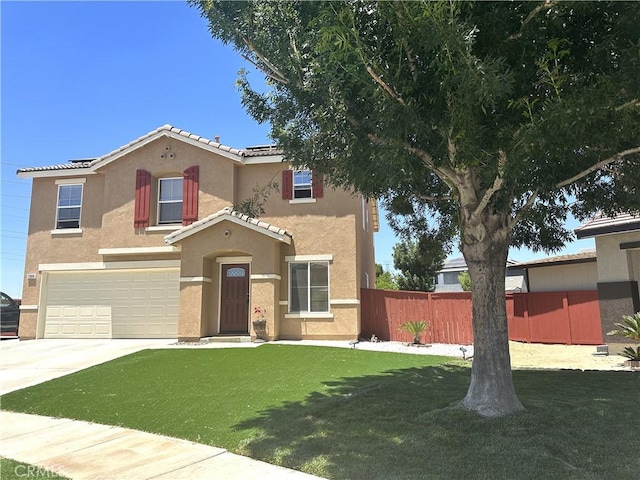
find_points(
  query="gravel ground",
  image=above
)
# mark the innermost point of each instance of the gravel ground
(523, 355)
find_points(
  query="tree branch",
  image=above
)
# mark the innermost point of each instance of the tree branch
(445, 174)
(497, 185)
(598, 166)
(525, 208)
(411, 59)
(546, 5)
(432, 199)
(386, 87)
(265, 71)
(633, 103)
(275, 73)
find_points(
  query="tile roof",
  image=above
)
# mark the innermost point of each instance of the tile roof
(65, 166)
(580, 257)
(601, 225)
(236, 217)
(262, 150)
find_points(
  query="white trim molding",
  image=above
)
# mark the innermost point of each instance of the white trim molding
(246, 259)
(309, 258)
(70, 181)
(70, 267)
(283, 302)
(266, 276)
(163, 228)
(311, 315)
(137, 250)
(344, 301)
(66, 231)
(195, 280)
(31, 308)
(302, 200)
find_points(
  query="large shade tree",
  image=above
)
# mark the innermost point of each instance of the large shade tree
(496, 119)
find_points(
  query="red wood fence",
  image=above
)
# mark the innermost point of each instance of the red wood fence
(546, 317)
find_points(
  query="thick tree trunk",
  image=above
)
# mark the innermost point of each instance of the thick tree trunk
(491, 392)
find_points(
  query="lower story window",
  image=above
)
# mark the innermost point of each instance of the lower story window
(309, 287)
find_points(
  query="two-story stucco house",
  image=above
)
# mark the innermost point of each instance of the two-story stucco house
(143, 243)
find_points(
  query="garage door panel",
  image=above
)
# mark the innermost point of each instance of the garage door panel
(123, 304)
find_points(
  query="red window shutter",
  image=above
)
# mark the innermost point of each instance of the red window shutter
(317, 188)
(142, 199)
(287, 184)
(190, 189)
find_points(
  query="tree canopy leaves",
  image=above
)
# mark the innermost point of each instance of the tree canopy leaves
(536, 106)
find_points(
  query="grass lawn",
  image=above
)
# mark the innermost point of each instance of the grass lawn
(342, 413)
(14, 470)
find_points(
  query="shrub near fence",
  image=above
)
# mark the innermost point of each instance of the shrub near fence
(546, 317)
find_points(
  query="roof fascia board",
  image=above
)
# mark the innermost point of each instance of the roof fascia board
(282, 238)
(71, 172)
(559, 263)
(263, 159)
(608, 230)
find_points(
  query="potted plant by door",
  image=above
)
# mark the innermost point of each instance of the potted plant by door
(260, 323)
(630, 328)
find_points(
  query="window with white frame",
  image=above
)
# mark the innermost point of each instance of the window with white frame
(69, 206)
(169, 200)
(302, 184)
(308, 287)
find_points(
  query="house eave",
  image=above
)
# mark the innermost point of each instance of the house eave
(172, 239)
(607, 230)
(71, 172)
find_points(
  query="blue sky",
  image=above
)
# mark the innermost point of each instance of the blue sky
(80, 79)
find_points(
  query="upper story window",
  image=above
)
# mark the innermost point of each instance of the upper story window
(69, 206)
(301, 185)
(169, 200)
(177, 199)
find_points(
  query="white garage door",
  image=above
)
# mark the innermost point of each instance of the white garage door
(113, 304)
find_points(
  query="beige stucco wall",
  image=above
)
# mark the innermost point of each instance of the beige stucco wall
(46, 245)
(560, 278)
(215, 183)
(331, 225)
(619, 280)
(614, 264)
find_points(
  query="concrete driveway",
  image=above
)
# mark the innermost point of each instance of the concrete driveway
(27, 363)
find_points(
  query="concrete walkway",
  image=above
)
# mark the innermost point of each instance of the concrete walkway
(80, 450)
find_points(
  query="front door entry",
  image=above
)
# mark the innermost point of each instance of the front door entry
(234, 295)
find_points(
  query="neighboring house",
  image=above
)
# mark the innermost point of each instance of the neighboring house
(142, 243)
(618, 249)
(563, 273)
(447, 277)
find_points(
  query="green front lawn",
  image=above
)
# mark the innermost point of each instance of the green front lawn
(14, 470)
(342, 413)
